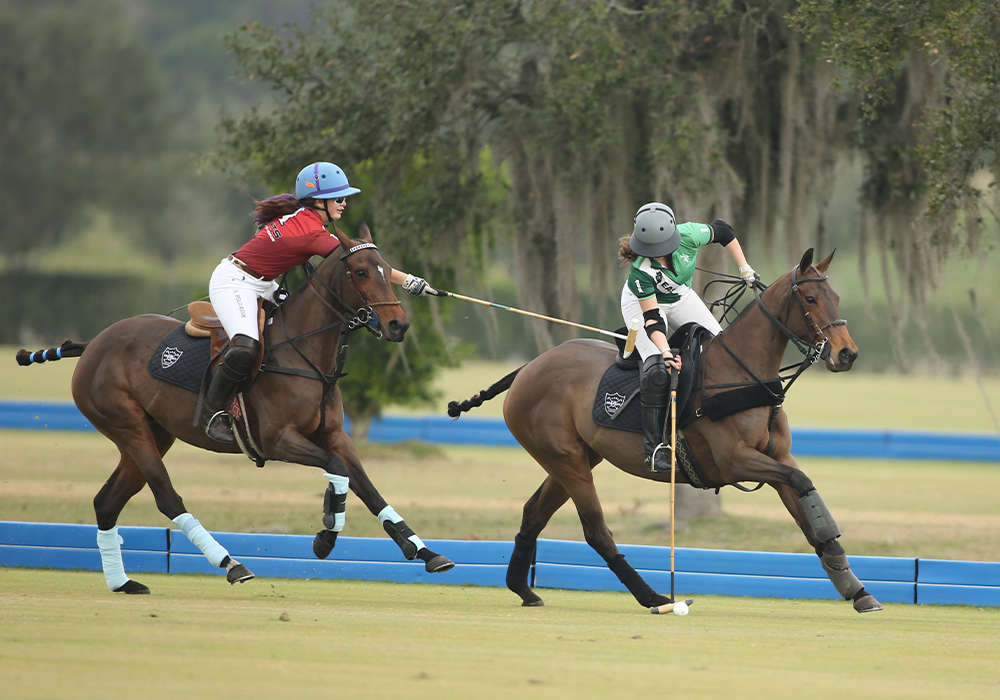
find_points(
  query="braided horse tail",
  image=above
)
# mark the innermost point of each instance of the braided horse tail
(67, 349)
(455, 408)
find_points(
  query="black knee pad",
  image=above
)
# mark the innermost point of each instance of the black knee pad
(654, 377)
(241, 355)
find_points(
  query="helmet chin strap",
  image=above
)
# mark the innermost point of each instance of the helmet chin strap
(325, 208)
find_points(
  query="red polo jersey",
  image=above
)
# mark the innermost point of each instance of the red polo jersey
(285, 242)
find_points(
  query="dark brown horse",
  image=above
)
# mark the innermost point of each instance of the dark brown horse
(295, 405)
(548, 409)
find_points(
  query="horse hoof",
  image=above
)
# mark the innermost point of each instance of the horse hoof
(529, 599)
(438, 563)
(133, 588)
(867, 603)
(237, 573)
(324, 542)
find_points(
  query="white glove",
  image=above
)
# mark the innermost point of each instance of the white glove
(748, 275)
(417, 286)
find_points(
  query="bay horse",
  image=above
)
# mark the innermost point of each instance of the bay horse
(295, 404)
(548, 409)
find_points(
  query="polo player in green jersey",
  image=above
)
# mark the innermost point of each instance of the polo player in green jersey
(661, 257)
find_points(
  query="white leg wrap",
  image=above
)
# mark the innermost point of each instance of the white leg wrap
(109, 543)
(201, 539)
(389, 513)
(340, 486)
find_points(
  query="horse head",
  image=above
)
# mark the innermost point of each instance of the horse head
(819, 319)
(358, 275)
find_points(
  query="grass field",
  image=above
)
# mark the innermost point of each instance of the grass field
(886, 507)
(61, 635)
(946, 510)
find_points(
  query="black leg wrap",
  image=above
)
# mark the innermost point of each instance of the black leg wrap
(839, 571)
(333, 503)
(636, 585)
(818, 517)
(400, 533)
(519, 569)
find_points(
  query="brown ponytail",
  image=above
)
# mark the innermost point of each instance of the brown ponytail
(625, 253)
(274, 207)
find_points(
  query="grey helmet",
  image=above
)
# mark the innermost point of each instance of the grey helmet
(655, 232)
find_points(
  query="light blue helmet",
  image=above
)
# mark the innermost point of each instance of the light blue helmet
(322, 181)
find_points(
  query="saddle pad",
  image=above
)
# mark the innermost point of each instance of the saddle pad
(181, 360)
(616, 404)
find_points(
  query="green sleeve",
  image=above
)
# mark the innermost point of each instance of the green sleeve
(695, 234)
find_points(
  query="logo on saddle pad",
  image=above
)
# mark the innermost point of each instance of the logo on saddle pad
(612, 402)
(170, 356)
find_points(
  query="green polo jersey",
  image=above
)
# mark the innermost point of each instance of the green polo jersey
(647, 277)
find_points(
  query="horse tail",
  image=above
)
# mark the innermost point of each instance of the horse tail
(500, 386)
(67, 349)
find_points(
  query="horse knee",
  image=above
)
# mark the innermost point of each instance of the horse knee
(800, 482)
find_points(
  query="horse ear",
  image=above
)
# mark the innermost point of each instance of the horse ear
(825, 263)
(344, 239)
(364, 233)
(806, 261)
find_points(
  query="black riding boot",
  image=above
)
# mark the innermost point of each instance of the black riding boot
(234, 370)
(654, 383)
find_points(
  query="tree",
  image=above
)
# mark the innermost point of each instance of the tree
(83, 121)
(925, 76)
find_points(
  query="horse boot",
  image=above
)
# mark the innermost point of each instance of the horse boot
(654, 382)
(234, 370)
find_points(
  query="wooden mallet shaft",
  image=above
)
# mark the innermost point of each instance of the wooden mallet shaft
(532, 314)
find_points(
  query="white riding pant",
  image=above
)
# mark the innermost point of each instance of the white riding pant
(234, 296)
(688, 308)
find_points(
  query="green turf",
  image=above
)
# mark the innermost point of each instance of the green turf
(64, 635)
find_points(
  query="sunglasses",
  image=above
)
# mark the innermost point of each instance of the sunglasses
(339, 200)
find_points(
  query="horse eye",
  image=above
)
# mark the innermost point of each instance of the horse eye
(811, 300)
(362, 273)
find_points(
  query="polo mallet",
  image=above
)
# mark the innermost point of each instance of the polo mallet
(669, 607)
(629, 339)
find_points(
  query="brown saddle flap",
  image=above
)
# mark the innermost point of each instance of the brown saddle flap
(205, 323)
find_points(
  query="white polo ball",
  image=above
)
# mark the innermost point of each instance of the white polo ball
(680, 608)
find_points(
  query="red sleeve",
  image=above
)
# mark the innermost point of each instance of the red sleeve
(323, 243)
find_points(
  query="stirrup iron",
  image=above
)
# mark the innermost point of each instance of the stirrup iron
(658, 450)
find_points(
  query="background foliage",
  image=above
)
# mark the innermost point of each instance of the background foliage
(502, 147)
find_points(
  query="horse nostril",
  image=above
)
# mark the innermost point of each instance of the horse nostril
(847, 356)
(398, 328)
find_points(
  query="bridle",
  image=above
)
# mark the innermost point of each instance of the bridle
(363, 316)
(813, 349)
(350, 318)
(818, 345)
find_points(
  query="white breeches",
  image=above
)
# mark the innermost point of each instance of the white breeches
(688, 308)
(234, 296)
